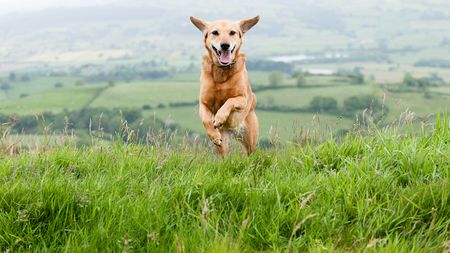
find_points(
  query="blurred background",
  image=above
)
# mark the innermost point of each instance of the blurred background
(84, 66)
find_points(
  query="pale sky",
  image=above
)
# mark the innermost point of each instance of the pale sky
(7, 6)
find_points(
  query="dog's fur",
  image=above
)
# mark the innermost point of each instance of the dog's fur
(227, 102)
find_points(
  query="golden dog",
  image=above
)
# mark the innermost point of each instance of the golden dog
(227, 102)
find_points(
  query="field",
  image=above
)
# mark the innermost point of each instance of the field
(173, 100)
(302, 97)
(379, 192)
(53, 100)
(151, 93)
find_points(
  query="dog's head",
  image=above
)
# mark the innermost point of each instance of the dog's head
(223, 38)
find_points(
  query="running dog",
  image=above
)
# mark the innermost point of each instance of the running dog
(227, 102)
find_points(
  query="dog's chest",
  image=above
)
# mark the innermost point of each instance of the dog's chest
(222, 93)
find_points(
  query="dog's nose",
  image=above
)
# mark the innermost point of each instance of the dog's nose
(225, 46)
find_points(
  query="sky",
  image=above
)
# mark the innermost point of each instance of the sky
(8, 6)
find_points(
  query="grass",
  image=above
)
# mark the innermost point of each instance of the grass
(381, 192)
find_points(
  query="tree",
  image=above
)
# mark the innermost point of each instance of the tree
(410, 81)
(356, 103)
(12, 76)
(25, 78)
(5, 86)
(146, 107)
(58, 85)
(79, 83)
(323, 104)
(301, 81)
(357, 75)
(276, 78)
(359, 79)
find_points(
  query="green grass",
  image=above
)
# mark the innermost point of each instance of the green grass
(383, 192)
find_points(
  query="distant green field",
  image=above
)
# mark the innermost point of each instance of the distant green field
(417, 103)
(37, 85)
(301, 97)
(52, 100)
(43, 96)
(136, 94)
(186, 77)
(185, 117)
(259, 77)
(323, 80)
(442, 89)
(286, 125)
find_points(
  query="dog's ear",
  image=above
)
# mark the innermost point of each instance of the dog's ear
(246, 24)
(200, 24)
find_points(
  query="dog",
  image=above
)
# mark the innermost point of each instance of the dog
(226, 102)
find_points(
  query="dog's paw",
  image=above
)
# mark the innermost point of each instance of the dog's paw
(217, 124)
(215, 137)
(217, 141)
(219, 120)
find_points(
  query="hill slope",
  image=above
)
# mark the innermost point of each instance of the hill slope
(383, 192)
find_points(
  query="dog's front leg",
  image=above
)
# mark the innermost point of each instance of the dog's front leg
(232, 104)
(207, 119)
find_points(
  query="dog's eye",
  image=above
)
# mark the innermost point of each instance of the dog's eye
(232, 33)
(215, 33)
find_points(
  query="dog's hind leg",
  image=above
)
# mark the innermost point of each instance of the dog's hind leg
(250, 132)
(223, 148)
(207, 119)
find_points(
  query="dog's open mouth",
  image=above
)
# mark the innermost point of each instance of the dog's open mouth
(224, 56)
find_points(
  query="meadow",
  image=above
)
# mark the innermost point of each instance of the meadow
(373, 191)
(102, 148)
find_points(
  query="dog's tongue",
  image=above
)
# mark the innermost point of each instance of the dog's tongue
(225, 57)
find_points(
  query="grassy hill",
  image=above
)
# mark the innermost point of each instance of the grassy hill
(380, 191)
